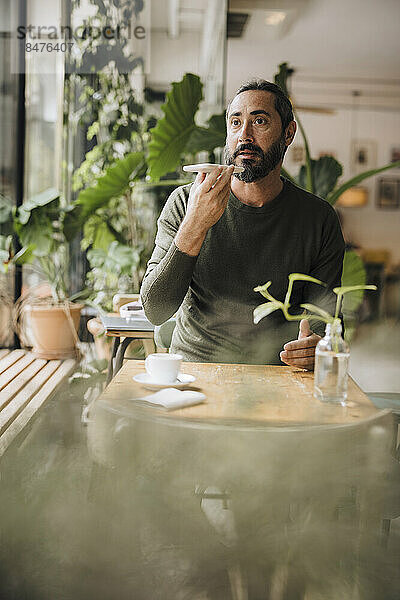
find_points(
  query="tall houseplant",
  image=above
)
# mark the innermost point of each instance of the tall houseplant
(102, 104)
(163, 148)
(321, 177)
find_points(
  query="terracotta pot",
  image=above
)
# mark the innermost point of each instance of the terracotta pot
(53, 333)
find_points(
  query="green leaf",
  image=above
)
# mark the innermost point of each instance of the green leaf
(214, 136)
(112, 184)
(302, 277)
(265, 309)
(354, 274)
(318, 311)
(38, 232)
(298, 277)
(96, 257)
(118, 259)
(171, 135)
(335, 194)
(81, 295)
(46, 203)
(123, 256)
(263, 290)
(25, 255)
(96, 233)
(352, 288)
(289, 177)
(281, 78)
(325, 172)
(309, 179)
(93, 130)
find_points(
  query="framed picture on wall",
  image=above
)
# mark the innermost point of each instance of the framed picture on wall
(362, 155)
(388, 193)
(395, 154)
(297, 154)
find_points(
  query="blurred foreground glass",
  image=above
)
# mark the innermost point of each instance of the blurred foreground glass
(8, 124)
(331, 365)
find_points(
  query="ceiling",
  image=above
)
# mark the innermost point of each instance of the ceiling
(335, 46)
(178, 16)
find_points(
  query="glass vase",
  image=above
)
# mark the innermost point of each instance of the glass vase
(331, 365)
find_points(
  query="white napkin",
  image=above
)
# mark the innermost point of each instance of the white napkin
(171, 398)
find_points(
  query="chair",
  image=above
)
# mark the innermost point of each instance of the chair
(391, 401)
(304, 501)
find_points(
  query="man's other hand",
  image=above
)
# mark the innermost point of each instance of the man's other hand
(207, 201)
(301, 352)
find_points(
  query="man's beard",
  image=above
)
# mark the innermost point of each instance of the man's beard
(269, 160)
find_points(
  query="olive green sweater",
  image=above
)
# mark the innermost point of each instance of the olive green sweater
(248, 246)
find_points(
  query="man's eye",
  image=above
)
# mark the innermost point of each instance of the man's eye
(235, 122)
(260, 121)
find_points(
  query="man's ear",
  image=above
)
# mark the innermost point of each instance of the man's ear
(290, 132)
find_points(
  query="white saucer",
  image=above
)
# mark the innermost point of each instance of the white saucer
(208, 168)
(145, 380)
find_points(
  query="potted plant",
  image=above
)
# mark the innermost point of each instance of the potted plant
(38, 228)
(331, 353)
(321, 177)
(117, 209)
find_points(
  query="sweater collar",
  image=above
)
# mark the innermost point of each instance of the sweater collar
(269, 207)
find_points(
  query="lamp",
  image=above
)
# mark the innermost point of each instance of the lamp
(354, 197)
(275, 17)
(358, 195)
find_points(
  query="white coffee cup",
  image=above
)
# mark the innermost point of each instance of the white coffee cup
(163, 368)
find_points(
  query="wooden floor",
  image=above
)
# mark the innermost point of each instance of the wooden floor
(26, 383)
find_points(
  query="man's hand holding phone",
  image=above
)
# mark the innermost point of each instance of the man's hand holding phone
(208, 198)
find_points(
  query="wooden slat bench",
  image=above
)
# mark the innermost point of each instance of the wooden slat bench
(26, 383)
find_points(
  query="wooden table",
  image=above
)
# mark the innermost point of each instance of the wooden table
(256, 394)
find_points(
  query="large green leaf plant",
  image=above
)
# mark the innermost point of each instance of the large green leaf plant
(321, 177)
(113, 250)
(101, 102)
(177, 134)
(108, 200)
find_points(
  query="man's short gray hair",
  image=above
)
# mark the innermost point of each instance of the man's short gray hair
(282, 103)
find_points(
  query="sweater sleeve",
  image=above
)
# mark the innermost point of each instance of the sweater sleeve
(169, 271)
(327, 267)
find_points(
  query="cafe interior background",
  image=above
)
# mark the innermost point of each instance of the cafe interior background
(344, 84)
(344, 81)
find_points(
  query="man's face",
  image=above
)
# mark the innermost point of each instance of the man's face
(255, 139)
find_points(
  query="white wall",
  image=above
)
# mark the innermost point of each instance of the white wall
(368, 226)
(330, 38)
(170, 59)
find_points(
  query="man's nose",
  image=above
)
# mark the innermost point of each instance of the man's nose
(246, 134)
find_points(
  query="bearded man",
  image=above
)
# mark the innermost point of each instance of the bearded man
(224, 234)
